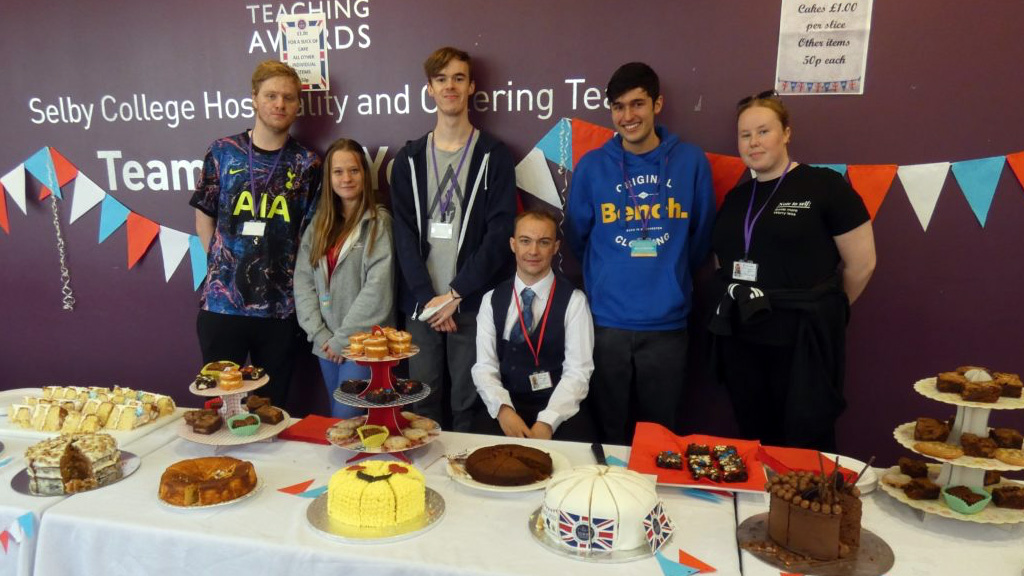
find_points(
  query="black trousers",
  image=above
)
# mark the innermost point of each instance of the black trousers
(270, 343)
(638, 377)
(757, 377)
(579, 428)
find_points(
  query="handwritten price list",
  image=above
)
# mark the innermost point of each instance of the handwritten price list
(823, 47)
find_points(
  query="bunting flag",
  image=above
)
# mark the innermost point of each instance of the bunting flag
(314, 493)
(872, 182)
(614, 461)
(4, 222)
(197, 254)
(1016, 162)
(112, 215)
(5, 537)
(841, 168)
(978, 179)
(725, 173)
(14, 182)
(923, 183)
(27, 521)
(66, 171)
(587, 137)
(534, 178)
(40, 165)
(670, 568)
(173, 245)
(141, 233)
(694, 562)
(87, 196)
(556, 145)
(296, 489)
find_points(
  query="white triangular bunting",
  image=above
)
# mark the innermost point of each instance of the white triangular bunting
(923, 183)
(173, 245)
(87, 196)
(14, 182)
(534, 177)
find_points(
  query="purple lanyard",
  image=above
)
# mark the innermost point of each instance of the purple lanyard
(748, 224)
(252, 179)
(645, 219)
(446, 201)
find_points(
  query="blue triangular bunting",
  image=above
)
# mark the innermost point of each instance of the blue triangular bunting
(40, 165)
(197, 254)
(27, 522)
(112, 216)
(978, 179)
(552, 144)
(670, 568)
(841, 168)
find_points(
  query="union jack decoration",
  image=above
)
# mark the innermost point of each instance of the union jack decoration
(585, 533)
(658, 527)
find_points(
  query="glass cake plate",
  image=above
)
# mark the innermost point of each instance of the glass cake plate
(246, 496)
(129, 464)
(536, 526)
(873, 558)
(322, 524)
(457, 471)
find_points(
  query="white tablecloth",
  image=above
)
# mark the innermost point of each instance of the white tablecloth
(124, 529)
(924, 544)
(18, 561)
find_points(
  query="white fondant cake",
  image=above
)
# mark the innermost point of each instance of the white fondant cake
(604, 508)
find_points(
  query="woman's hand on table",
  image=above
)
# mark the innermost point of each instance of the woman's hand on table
(512, 424)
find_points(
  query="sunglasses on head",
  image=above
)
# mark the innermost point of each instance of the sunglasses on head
(759, 96)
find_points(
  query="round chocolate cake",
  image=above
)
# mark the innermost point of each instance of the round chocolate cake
(509, 465)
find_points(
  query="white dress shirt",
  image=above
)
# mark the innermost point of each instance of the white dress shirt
(577, 366)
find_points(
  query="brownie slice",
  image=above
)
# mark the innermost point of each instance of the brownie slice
(669, 459)
(966, 494)
(1006, 438)
(270, 414)
(950, 382)
(913, 468)
(921, 489)
(981, 391)
(253, 402)
(931, 429)
(1010, 383)
(698, 450)
(1008, 497)
(992, 477)
(207, 424)
(979, 446)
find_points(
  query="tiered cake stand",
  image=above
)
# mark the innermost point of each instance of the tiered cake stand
(387, 415)
(232, 405)
(971, 417)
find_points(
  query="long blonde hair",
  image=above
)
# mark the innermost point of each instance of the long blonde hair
(330, 224)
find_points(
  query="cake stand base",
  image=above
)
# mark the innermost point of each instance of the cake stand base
(873, 558)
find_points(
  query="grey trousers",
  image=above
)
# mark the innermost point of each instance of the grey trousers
(444, 364)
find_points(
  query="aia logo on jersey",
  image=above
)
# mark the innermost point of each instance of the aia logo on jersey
(278, 206)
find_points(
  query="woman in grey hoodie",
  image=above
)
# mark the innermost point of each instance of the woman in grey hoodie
(344, 275)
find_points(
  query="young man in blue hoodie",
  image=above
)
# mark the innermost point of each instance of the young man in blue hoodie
(639, 218)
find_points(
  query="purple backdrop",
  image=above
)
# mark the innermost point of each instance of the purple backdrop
(939, 87)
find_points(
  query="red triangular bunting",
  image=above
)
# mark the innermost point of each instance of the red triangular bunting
(725, 172)
(1016, 161)
(66, 171)
(141, 232)
(691, 561)
(44, 192)
(4, 537)
(4, 222)
(296, 488)
(872, 182)
(586, 137)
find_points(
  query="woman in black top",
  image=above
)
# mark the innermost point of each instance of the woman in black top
(794, 247)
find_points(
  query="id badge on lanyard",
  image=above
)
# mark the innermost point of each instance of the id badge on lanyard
(254, 228)
(540, 381)
(744, 270)
(442, 230)
(643, 248)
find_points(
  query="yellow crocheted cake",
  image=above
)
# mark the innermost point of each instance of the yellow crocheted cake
(376, 493)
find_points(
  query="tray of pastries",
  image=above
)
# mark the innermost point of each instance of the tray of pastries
(354, 434)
